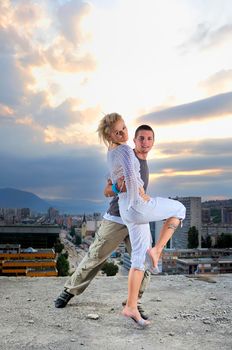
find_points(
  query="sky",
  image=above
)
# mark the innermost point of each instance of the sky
(64, 64)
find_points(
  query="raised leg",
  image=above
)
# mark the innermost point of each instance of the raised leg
(166, 233)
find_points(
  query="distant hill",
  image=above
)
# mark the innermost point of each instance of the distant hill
(79, 206)
(13, 198)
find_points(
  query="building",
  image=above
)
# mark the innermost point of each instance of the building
(226, 215)
(193, 218)
(11, 216)
(36, 236)
(178, 261)
(29, 262)
(215, 230)
(204, 265)
(197, 265)
(205, 214)
(83, 227)
(127, 262)
(155, 227)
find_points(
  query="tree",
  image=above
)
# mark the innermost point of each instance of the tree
(78, 240)
(66, 254)
(216, 215)
(62, 265)
(109, 268)
(72, 231)
(206, 242)
(58, 246)
(224, 241)
(193, 237)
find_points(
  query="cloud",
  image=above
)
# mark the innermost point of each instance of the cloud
(64, 124)
(59, 116)
(220, 81)
(11, 41)
(14, 81)
(205, 37)
(65, 57)
(195, 168)
(220, 36)
(70, 16)
(5, 112)
(73, 174)
(27, 14)
(26, 28)
(212, 107)
(68, 124)
(66, 53)
(203, 186)
(193, 157)
(80, 173)
(215, 147)
(56, 78)
(36, 41)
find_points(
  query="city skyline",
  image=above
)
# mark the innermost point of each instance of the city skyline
(66, 63)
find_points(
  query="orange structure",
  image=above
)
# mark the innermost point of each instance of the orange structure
(28, 262)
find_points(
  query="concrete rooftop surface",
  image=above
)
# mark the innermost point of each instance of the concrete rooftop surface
(186, 313)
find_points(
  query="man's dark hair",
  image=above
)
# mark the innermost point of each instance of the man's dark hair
(144, 127)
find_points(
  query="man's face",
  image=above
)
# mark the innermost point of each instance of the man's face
(144, 141)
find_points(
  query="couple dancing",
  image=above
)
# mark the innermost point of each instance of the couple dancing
(137, 209)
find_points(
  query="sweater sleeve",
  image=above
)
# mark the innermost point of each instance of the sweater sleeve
(126, 159)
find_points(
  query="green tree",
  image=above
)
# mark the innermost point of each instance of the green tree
(109, 268)
(78, 240)
(62, 265)
(58, 246)
(193, 237)
(66, 254)
(224, 241)
(72, 231)
(216, 214)
(206, 242)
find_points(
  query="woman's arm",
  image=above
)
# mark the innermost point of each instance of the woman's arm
(121, 186)
(126, 159)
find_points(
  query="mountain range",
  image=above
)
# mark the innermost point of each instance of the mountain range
(14, 198)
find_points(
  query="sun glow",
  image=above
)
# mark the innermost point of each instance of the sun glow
(172, 173)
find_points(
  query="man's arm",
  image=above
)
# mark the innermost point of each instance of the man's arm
(121, 186)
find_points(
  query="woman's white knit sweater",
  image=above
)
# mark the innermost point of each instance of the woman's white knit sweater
(122, 162)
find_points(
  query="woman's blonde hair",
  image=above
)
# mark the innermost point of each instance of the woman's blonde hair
(105, 126)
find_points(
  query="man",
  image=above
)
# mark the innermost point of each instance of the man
(111, 232)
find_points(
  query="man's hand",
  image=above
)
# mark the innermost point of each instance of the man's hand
(142, 194)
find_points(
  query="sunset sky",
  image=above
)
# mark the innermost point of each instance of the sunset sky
(64, 64)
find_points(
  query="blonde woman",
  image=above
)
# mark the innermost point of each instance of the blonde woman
(137, 208)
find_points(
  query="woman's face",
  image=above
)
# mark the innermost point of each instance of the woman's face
(118, 132)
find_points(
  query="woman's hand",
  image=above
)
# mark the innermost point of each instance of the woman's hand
(144, 196)
(120, 185)
(108, 189)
